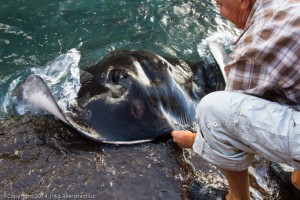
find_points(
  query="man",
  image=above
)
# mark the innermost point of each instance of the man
(258, 113)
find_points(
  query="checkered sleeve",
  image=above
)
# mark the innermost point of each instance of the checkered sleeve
(266, 59)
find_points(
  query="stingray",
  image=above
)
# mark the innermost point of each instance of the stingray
(132, 96)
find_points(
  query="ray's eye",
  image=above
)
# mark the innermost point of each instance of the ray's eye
(117, 75)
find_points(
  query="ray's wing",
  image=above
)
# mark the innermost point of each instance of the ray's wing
(220, 56)
(35, 94)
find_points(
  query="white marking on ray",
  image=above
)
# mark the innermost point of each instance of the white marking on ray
(141, 74)
(179, 72)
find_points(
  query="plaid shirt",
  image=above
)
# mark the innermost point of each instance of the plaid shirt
(266, 58)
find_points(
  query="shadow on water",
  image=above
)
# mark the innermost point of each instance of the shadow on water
(43, 157)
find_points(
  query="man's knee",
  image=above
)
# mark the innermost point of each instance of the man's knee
(214, 106)
(208, 101)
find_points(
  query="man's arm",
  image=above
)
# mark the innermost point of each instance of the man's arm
(185, 139)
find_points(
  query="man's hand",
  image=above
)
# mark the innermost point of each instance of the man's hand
(185, 139)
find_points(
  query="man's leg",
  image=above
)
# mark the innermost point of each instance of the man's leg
(238, 184)
(233, 127)
(215, 143)
(296, 178)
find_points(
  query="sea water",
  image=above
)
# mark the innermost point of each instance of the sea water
(55, 39)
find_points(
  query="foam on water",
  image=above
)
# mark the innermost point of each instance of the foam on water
(13, 30)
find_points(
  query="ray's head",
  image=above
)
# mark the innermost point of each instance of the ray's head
(137, 95)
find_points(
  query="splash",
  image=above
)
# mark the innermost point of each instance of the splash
(6, 105)
(61, 75)
(224, 38)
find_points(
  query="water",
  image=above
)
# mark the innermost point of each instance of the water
(42, 156)
(33, 33)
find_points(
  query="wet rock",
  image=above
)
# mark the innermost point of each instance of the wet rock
(42, 156)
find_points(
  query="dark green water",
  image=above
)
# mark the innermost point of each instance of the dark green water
(33, 32)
